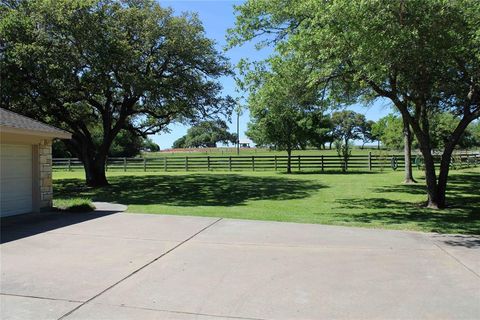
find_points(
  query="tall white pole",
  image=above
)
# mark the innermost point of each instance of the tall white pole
(238, 132)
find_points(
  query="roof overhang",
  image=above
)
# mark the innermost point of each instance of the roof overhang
(50, 134)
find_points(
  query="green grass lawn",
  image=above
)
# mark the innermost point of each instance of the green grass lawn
(74, 204)
(376, 200)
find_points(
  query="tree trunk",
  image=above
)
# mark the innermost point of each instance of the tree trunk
(93, 161)
(442, 178)
(95, 172)
(289, 161)
(431, 179)
(407, 137)
(445, 163)
(346, 155)
(421, 129)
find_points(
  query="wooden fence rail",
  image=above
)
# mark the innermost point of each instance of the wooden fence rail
(368, 162)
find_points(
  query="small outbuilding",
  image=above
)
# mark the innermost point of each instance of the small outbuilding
(25, 163)
(244, 143)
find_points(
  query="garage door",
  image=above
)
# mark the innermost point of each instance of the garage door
(15, 179)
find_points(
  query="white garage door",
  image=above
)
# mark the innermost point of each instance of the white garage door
(15, 179)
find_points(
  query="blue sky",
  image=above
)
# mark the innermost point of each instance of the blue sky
(217, 17)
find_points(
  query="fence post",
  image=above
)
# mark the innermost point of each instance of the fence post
(144, 164)
(230, 163)
(69, 164)
(275, 162)
(370, 161)
(165, 163)
(322, 162)
(299, 161)
(253, 163)
(124, 164)
(186, 163)
(208, 163)
(106, 164)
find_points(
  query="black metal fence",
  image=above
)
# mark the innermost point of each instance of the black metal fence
(367, 162)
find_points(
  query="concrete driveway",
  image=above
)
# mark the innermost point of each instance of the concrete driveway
(136, 266)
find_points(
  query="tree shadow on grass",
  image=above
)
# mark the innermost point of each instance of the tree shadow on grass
(463, 191)
(189, 190)
(461, 216)
(331, 172)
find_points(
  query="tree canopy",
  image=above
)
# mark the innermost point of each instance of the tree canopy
(442, 124)
(125, 144)
(206, 134)
(476, 133)
(347, 126)
(422, 55)
(368, 135)
(125, 65)
(283, 114)
(389, 131)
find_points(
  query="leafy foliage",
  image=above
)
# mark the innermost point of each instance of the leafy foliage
(320, 127)
(284, 115)
(125, 144)
(126, 65)
(347, 126)
(442, 124)
(476, 133)
(367, 133)
(389, 131)
(150, 146)
(422, 55)
(206, 134)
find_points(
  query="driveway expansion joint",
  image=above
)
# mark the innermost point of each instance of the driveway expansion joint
(181, 312)
(38, 297)
(139, 269)
(457, 260)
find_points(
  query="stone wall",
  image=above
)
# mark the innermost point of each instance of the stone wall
(45, 166)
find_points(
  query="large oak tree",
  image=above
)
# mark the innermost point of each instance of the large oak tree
(84, 64)
(206, 134)
(422, 55)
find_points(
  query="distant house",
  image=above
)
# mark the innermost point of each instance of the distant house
(244, 143)
(26, 163)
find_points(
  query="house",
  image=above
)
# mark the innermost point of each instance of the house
(244, 143)
(25, 163)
